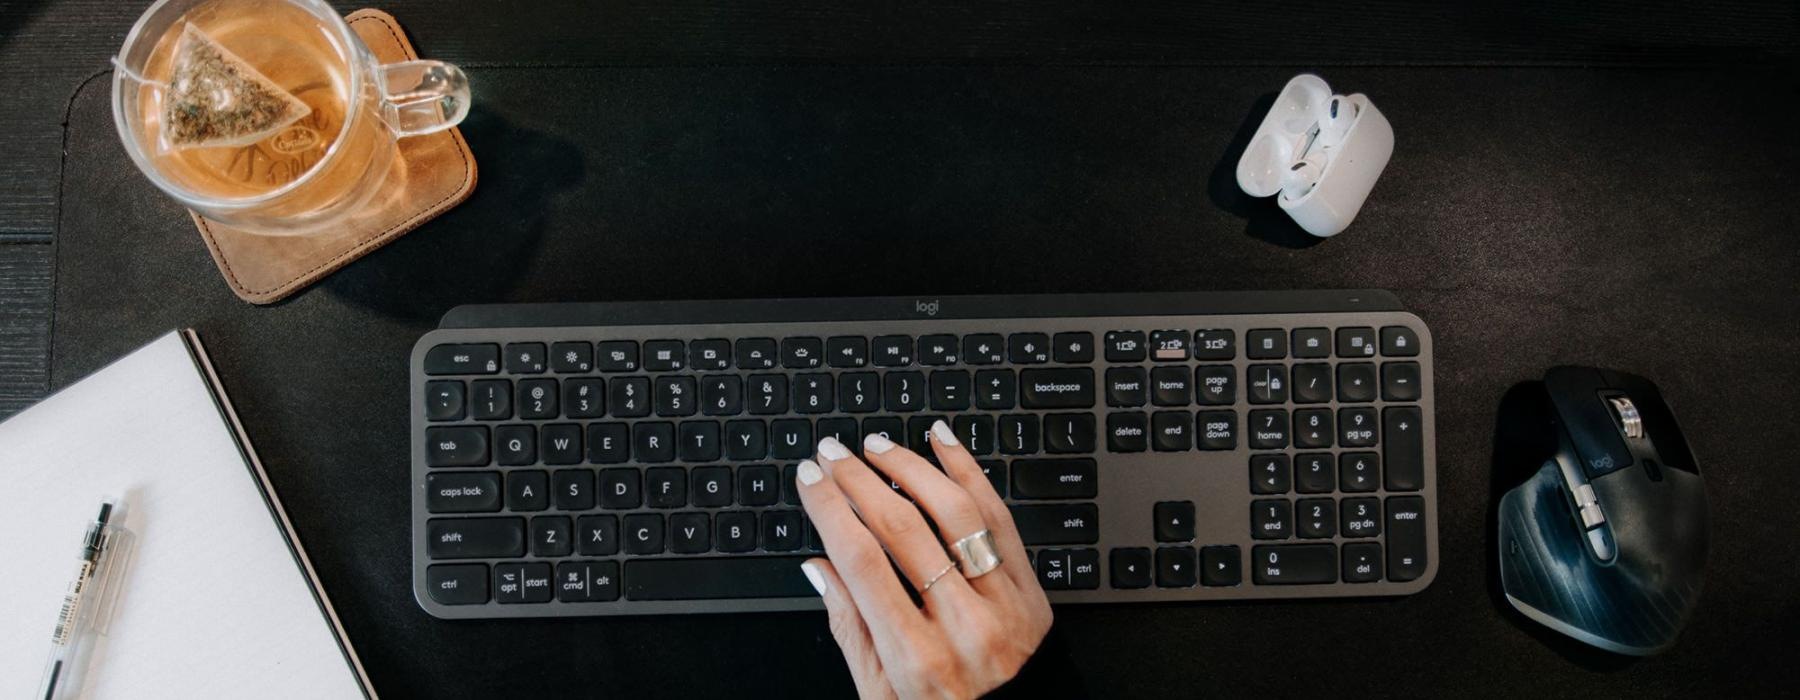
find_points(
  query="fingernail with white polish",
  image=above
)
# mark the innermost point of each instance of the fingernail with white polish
(877, 443)
(944, 434)
(833, 450)
(808, 472)
(813, 575)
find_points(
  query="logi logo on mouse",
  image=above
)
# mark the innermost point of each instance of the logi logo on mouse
(929, 308)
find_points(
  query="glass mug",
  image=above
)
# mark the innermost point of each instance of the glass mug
(270, 116)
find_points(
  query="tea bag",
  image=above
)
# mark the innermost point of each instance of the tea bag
(215, 98)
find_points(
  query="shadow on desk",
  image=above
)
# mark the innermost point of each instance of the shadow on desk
(479, 251)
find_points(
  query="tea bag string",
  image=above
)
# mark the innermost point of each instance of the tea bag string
(120, 66)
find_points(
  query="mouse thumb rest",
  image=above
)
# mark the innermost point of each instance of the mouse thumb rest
(1548, 575)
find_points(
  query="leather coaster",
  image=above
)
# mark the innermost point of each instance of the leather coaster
(433, 174)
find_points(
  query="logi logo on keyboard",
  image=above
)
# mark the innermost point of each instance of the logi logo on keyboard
(929, 308)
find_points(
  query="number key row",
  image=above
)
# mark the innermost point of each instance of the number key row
(757, 394)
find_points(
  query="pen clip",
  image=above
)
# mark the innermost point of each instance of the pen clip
(115, 554)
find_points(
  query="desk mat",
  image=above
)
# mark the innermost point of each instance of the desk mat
(1519, 217)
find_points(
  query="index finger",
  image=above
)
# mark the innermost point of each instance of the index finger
(858, 558)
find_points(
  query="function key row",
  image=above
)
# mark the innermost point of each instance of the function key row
(1220, 344)
(544, 398)
(760, 353)
(577, 357)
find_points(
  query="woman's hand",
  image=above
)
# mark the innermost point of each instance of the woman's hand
(972, 634)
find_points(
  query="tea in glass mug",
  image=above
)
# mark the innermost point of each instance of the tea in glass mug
(271, 116)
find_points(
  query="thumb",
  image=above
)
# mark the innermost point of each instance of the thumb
(849, 629)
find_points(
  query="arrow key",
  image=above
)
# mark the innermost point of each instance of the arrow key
(1174, 521)
(1131, 568)
(1220, 566)
(1175, 567)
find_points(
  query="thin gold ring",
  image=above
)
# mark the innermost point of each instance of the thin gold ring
(934, 579)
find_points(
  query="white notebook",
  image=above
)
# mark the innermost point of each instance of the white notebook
(217, 599)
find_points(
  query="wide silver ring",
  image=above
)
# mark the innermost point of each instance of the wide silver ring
(976, 554)
(934, 578)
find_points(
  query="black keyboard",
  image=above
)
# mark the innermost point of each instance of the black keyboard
(613, 459)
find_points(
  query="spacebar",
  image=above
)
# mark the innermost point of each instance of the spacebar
(716, 577)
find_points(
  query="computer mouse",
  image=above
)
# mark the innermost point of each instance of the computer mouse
(1607, 542)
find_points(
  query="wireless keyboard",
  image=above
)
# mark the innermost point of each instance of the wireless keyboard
(614, 459)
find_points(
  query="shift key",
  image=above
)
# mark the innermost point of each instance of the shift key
(1074, 523)
(473, 538)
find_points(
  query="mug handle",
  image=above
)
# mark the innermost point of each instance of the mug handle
(423, 97)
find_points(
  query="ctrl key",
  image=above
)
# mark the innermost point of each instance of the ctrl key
(457, 584)
(1068, 569)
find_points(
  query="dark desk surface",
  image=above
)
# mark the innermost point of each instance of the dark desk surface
(1565, 190)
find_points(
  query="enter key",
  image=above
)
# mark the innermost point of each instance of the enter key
(1039, 479)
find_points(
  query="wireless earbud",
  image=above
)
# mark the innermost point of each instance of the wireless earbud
(1338, 115)
(1302, 176)
(1320, 151)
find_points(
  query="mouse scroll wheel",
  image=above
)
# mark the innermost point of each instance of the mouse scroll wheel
(1630, 422)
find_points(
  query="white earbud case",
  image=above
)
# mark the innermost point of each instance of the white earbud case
(1286, 154)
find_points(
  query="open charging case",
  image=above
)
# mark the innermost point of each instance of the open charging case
(1289, 134)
